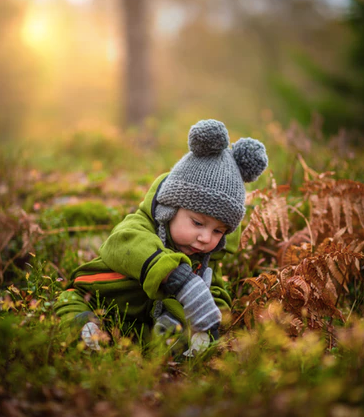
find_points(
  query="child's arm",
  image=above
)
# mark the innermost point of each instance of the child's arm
(135, 250)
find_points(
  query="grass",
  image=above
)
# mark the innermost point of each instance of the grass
(92, 180)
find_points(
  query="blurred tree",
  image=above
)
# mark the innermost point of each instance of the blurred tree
(16, 70)
(335, 88)
(234, 59)
(139, 83)
(356, 22)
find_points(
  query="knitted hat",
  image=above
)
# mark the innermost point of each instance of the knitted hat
(210, 178)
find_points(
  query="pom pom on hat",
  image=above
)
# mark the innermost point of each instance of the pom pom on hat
(251, 158)
(208, 137)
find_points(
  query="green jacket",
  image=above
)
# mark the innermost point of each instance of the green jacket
(139, 261)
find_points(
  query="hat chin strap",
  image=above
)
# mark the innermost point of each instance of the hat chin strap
(163, 214)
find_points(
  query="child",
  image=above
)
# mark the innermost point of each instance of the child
(160, 266)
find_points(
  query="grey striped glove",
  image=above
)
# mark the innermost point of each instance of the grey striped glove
(194, 295)
(167, 324)
(90, 334)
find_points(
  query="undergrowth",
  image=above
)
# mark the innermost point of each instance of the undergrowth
(292, 346)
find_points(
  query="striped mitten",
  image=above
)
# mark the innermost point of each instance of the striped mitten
(194, 295)
(167, 324)
(90, 334)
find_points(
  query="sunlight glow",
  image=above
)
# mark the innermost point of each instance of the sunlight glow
(36, 30)
(78, 2)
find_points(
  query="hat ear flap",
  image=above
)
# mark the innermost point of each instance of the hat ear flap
(251, 158)
(208, 137)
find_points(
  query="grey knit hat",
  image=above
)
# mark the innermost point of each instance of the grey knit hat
(210, 178)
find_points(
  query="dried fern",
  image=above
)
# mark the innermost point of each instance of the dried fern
(335, 204)
(318, 264)
(268, 218)
(309, 286)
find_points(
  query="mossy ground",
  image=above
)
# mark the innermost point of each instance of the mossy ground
(85, 186)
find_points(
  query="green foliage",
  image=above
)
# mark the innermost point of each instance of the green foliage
(262, 371)
(336, 92)
(300, 106)
(355, 20)
(82, 214)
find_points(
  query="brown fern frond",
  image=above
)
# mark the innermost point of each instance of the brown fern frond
(254, 226)
(330, 295)
(268, 280)
(306, 290)
(336, 273)
(309, 268)
(298, 291)
(252, 195)
(338, 236)
(334, 204)
(358, 206)
(293, 255)
(295, 327)
(260, 224)
(282, 213)
(269, 217)
(256, 283)
(317, 263)
(297, 239)
(348, 212)
(359, 247)
(252, 312)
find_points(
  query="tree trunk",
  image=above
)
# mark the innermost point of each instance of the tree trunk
(139, 85)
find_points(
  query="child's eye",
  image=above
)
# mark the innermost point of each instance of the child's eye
(218, 232)
(196, 223)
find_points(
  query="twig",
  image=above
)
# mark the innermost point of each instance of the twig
(238, 319)
(351, 310)
(57, 269)
(307, 170)
(267, 250)
(265, 268)
(54, 232)
(76, 229)
(307, 223)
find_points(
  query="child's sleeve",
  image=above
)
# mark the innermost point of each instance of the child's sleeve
(68, 305)
(135, 250)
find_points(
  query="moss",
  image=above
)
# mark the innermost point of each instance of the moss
(45, 190)
(87, 213)
(133, 195)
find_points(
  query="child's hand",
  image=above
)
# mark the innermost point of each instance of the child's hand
(200, 341)
(90, 334)
(207, 277)
(194, 295)
(166, 324)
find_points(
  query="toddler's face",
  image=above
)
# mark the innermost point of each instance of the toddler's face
(195, 232)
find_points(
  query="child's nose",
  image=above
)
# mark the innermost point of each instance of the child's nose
(204, 236)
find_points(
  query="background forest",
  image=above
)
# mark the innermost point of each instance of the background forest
(96, 100)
